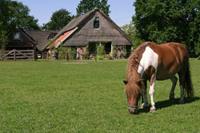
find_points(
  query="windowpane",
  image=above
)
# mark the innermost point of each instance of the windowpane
(96, 22)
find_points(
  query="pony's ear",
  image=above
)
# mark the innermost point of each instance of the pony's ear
(125, 82)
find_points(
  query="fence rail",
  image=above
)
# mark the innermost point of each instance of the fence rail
(17, 54)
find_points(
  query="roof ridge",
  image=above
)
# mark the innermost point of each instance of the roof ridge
(27, 34)
(116, 26)
(72, 24)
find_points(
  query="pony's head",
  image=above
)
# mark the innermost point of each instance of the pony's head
(132, 96)
(133, 83)
(133, 90)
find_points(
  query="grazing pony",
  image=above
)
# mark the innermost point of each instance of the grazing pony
(156, 62)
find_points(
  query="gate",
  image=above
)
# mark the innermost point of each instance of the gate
(18, 54)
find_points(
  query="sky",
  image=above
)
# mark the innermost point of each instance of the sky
(121, 10)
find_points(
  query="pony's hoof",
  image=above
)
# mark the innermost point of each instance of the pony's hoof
(144, 106)
(152, 109)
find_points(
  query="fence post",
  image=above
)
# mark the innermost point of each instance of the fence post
(14, 54)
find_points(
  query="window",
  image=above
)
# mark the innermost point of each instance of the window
(51, 36)
(17, 36)
(96, 23)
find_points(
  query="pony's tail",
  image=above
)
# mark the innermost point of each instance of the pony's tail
(188, 81)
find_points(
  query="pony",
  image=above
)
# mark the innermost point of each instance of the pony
(151, 62)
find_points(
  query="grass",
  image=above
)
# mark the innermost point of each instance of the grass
(59, 96)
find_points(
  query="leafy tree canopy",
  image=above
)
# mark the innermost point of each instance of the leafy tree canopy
(169, 20)
(58, 20)
(14, 14)
(88, 5)
(130, 31)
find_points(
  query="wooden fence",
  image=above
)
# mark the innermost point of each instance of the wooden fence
(18, 54)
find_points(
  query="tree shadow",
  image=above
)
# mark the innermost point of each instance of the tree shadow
(166, 103)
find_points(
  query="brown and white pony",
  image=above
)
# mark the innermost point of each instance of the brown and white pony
(156, 62)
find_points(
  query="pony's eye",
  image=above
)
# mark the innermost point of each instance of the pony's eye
(139, 83)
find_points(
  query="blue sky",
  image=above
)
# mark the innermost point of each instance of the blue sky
(121, 10)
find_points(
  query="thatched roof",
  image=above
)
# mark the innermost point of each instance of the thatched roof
(41, 37)
(73, 23)
(85, 33)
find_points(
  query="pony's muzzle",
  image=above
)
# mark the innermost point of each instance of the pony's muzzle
(133, 110)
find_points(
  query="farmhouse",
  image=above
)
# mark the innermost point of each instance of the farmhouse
(27, 44)
(20, 40)
(91, 30)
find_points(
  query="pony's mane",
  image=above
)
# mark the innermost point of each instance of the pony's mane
(133, 63)
(134, 59)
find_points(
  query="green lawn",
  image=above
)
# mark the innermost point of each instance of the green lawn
(58, 96)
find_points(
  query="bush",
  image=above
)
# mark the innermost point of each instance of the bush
(68, 53)
(100, 52)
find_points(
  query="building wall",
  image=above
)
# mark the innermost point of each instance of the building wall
(105, 33)
(21, 42)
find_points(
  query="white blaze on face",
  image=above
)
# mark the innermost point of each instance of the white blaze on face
(149, 58)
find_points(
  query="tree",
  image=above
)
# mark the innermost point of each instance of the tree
(58, 20)
(87, 5)
(169, 20)
(130, 31)
(194, 28)
(3, 36)
(14, 14)
(105, 7)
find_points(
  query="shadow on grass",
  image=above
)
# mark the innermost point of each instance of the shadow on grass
(167, 103)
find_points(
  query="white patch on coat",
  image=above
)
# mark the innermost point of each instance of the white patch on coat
(151, 93)
(149, 58)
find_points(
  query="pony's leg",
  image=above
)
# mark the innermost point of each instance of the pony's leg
(144, 96)
(174, 81)
(151, 92)
(182, 95)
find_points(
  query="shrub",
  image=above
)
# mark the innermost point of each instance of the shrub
(100, 52)
(68, 53)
